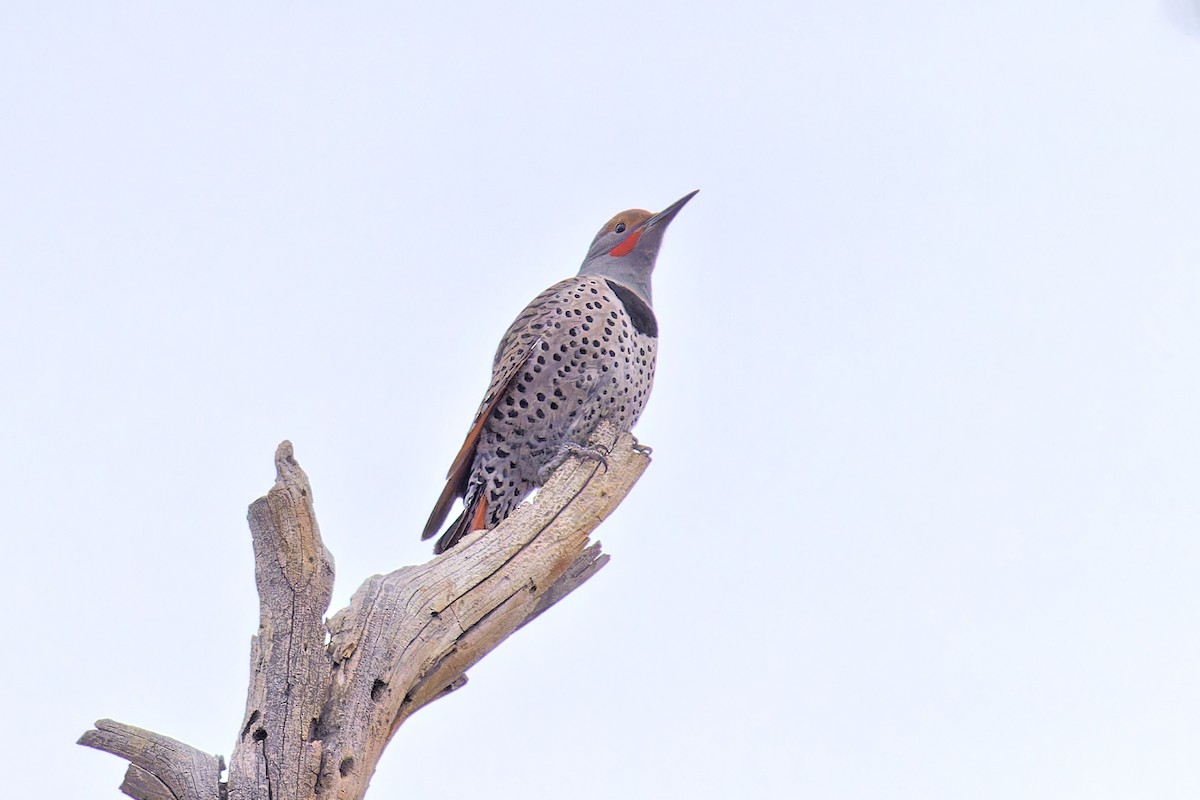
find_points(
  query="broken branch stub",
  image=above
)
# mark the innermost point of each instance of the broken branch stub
(182, 769)
(278, 753)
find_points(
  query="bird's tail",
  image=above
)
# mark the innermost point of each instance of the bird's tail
(473, 518)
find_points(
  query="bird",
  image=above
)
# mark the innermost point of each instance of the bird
(582, 351)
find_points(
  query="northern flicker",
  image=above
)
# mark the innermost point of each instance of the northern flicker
(581, 351)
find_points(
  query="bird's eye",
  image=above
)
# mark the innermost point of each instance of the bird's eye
(620, 227)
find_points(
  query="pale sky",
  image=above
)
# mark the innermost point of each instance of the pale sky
(922, 520)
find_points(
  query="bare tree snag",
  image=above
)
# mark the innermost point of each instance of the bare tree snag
(325, 698)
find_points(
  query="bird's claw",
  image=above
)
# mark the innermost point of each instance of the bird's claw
(641, 449)
(595, 452)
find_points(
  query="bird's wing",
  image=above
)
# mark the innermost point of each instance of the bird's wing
(460, 471)
(516, 349)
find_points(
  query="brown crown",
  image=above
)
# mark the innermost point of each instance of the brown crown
(632, 218)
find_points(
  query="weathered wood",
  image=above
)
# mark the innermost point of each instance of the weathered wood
(141, 785)
(185, 771)
(430, 623)
(590, 561)
(277, 756)
(318, 716)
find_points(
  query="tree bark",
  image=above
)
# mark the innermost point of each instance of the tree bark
(325, 697)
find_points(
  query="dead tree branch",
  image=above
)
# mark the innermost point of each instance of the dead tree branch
(325, 698)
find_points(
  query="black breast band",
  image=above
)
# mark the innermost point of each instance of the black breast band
(640, 314)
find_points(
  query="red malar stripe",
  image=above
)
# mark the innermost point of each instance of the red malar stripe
(626, 247)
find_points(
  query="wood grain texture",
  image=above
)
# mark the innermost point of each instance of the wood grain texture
(428, 624)
(142, 785)
(182, 769)
(325, 698)
(278, 755)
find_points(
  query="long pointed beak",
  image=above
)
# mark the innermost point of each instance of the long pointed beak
(667, 214)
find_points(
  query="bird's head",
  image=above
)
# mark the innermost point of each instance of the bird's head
(626, 247)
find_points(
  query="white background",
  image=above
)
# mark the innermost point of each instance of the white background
(922, 517)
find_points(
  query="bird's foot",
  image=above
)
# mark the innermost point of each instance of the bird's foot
(641, 449)
(596, 452)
